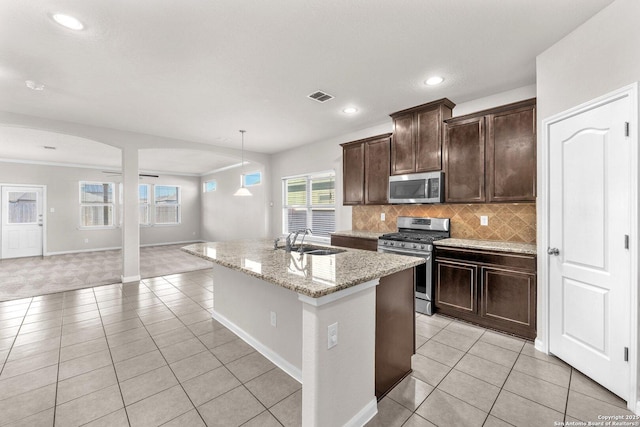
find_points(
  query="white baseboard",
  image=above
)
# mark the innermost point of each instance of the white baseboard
(130, 279)
(275, 358)
(78, 251)
(539, 345)
(183, 242)
(116, 248)
(364, 415)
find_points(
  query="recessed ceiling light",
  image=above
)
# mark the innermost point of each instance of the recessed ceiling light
(350, 110)
(68, 21)
(34, 85)
(435, 80)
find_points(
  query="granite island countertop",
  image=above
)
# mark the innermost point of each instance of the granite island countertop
(311, 275)
(491, 245)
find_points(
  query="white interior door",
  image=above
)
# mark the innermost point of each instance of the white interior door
(21, 221)
(589, 224)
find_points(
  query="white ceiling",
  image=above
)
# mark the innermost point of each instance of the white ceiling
(27, 145)
(199, 70)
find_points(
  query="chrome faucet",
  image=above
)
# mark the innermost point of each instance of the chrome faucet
(290, 243)
(307, 230)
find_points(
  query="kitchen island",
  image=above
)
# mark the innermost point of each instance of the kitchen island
(329, 321)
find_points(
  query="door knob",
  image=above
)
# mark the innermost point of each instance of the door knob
(553, 251)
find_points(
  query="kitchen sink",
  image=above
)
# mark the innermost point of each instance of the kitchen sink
(324, 251)
(314, 250)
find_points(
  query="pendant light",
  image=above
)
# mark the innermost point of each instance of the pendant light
(242, 191)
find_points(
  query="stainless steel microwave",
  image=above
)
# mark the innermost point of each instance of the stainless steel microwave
(417, 188)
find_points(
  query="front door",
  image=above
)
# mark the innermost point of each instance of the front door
(21, 221)
(589, 225)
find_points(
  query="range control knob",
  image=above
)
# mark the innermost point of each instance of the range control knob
(392, 244)
(421, 246)
(414, 246)
(402, 244)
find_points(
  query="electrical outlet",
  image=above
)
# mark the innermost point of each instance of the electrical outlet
(274, 319)
(382, 216)
(86, 240)
(484, 220)
(332, 335)
(52, 210)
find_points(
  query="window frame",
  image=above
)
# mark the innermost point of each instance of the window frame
(155, 222)
(215, 185)
(149, 222)
(243, 179)
(309, 206)
(112, 205)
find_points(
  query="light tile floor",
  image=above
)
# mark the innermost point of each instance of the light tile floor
(468, 376)
(149, 354)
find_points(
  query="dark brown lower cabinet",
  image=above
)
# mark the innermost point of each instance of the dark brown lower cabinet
(395, 320)
(354, 242)
(496, 290)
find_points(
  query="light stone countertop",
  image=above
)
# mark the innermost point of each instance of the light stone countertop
(311, 275)
(371, 235)
(491, 245)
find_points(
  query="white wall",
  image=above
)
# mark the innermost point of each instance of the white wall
(316, 157)
(228, 217)
(600, 56)
(496, 100)
(63, 225)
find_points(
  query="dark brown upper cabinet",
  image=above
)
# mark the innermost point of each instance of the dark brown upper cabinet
(511, 155)
(490, 156)
(416, 145)
(366, 171)
(353, 174)
(464, 161)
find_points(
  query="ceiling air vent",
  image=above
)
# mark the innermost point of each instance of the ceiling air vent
(320, 96)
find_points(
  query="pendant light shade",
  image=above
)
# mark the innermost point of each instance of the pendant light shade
(242, 191)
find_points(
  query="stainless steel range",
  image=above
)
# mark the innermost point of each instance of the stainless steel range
(414, 238)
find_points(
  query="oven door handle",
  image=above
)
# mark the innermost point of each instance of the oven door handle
(408, 253)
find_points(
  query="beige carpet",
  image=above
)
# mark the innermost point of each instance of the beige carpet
(28, 277)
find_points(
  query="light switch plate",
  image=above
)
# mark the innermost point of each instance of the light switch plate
(484, 220)
(274, 319)
(332, 335)
(382, 216)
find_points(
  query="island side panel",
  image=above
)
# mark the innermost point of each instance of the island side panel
(395, 329)
(244, 304)
(339, 383)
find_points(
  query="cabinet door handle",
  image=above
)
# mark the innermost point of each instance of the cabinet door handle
(553, 251)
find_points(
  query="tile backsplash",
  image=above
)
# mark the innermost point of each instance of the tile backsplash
(513, 222)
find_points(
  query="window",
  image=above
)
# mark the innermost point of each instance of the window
(210, 186)
(251, 179)
(167, 204)
(144, 198)
(96, 204)
(310, 202)
(23, 207)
